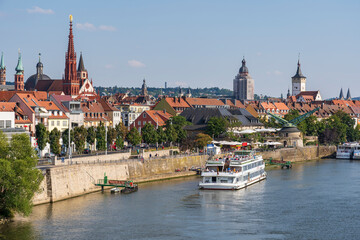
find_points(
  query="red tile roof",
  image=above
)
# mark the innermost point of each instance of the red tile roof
(160, 117)
(204, 102)
(177, 102)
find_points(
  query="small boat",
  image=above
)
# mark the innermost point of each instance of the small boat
(129, 189)
(348, 151)
(115, 190)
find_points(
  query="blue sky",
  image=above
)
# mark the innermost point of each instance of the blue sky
(190, 42)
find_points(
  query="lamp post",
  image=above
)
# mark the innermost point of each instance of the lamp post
(105, 137)
(69, 140)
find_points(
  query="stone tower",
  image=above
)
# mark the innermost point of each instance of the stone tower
(144, 91)
(82, 73)
(298, 81)
(2, 71)
(243, 84)
(71, 84)
(19, 75)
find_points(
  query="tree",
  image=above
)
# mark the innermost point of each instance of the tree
(19, 177)
(334, 131)
(100, 137)
(216, 126)
(80, 134)
(119, 142)
(121, 130)
(65, 137)
(111, 135)
(91, 136)
(161, 135)
(202, 140)
(42, 136)
(171, 133)
(134, 136)
(54, 138)
(149, 134)
(179, 122)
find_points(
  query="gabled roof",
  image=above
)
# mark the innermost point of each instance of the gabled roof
(49, 105)
(308, 93)
(107, 106)
(267, 105)
(281, 106)
(7, 106)
(204, 102)
(233, 103)
(49, 85)
(160, 117)
(177, 102)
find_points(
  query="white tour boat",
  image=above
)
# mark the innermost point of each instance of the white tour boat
(238, 171)
(348, 151)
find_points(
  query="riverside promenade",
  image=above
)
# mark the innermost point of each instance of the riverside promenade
(66, 180)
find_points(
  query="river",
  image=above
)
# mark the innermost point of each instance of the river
(314, 200)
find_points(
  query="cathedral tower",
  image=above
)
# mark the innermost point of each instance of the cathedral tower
(298, 81)
(19, 75)
(2, 71)
(82, 73)
(71, 84)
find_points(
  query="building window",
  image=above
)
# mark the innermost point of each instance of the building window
(58, 123)
(2, 124)
(64, 124)
(144, 122)
(8, 123)
(52, 123)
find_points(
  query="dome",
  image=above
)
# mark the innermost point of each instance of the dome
(33, 79)
(39, 65)
(243, 68)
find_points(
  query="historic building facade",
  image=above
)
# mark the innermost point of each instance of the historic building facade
(243, 84)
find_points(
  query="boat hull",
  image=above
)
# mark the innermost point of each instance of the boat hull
(230, 186)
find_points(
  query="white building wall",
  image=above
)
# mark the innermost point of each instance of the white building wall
(7, 119)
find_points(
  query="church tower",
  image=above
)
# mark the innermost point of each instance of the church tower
(2, 71)
(82, 73)
(19, 75)
(243, 84)
(71, 84)
(144, 91)
(298, 81)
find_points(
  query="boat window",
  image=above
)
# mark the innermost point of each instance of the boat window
(213, 179)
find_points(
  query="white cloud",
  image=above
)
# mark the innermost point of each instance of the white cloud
(37, 9)
(91, 27)
(135, 63)
(108, 66)
(258, 53)
(107, 28)
(86, 26)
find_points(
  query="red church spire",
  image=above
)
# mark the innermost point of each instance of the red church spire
(71, 84)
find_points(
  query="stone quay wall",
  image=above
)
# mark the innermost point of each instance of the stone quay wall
(301, 153)
(63, 182)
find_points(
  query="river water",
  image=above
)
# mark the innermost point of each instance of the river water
(314, 200)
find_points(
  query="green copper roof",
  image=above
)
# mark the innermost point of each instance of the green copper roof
(19, 68)
(2, 64)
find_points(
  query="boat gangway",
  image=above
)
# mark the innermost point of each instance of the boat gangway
(128, 185)
(281, 163)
